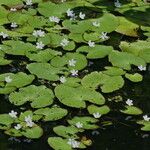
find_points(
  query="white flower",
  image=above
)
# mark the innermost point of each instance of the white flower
(72, 62)
(74, 72)
(73, 17)
(96, 24)
(39, 45)
(104, 36)
(64, 42)
(79, 125)
(142, 68)
(4, 35)
(13, 114)
(62, 79)
(97, 115)
(18, 126)
(91, 44)
(13, 25)
(73, 143)
(13, 9)
(8, 79)
(70, 13)
(54, 19)
(146, 118)
(81, 15)
(29, 122)
(38, 33)
(129, 102)
(29, 2)
(63, 1)
(117, 3)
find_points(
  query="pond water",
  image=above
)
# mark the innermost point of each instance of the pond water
(122, 135)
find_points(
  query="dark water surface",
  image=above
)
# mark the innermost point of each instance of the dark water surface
(124, 134)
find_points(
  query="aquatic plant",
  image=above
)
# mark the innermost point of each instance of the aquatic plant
(49, 49)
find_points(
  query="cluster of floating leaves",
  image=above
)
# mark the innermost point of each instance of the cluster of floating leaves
(59, 42)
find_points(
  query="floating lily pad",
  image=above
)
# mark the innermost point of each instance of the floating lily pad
(146, 125)
(33, 133)
(107, 83)
(132, 110)
(51, 114)
(5, 121)
(81, 61)
(17, 80)
(39, 96)
(99, 51)
(46, 71)
(125, 60)
(139, 48)
(67, 132)
(88, 122)
(76, 96)
(101, 110)
(134, 77)
(127, 27)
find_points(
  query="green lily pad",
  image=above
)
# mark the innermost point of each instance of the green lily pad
(51, 114)
(46, 71)
(67, 132)
(88, 122)
(59, 143)
(33, 133)
(107, 83)
(101, 110)
(127, 27)
(39, 96)
(125, 60)
(76, 96)
(81, 61)
(134, 77)
(132, 110)
(18, 80)
(139, 48)
(5, 121)
(99, 51)
(146, 125)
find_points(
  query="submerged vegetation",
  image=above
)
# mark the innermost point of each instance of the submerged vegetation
(70, 61)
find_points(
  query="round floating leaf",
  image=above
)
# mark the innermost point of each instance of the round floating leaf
(29, 113)
(5, 121)
(127, 27)
(76, 96)
(125, 60)
(101, 110)
(39, 96)
(19, 79)
(81, 61)
(146, 125)
(33, 133)
(59, 143)
(139, 48)
(46, 71)
(114, 71)
(99, 51)
(107, 83)
(42, 56)
(88, 122)
(134, 77)
(132, 110)
(51, 114)
(67, 132)
(18, 47)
